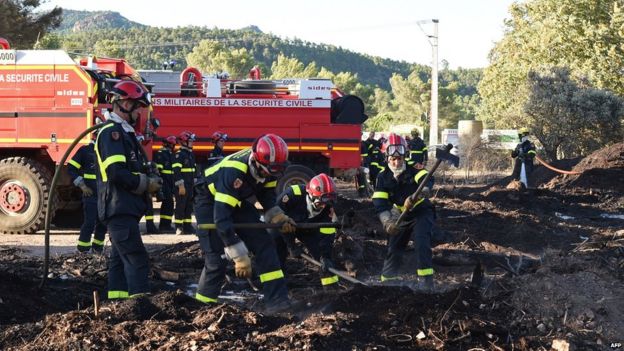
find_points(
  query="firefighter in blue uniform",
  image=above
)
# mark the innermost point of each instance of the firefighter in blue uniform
(218, 138)
(123, 189)
(164, 160)
(222, 197)
(391, 197)
(184, 177)
(524, 153)
(311, 203)
(377, 162)
(418, 151)
(81, 169)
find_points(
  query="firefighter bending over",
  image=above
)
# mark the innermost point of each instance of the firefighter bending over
(123, 191)
(222, 197)
(184, 175)
(81, 169)
(394, 186)
(311, 203)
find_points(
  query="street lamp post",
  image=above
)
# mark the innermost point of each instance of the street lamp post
(433, 40)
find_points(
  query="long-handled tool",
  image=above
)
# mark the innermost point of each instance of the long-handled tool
(441, 155)
(341, 274)
(274, 225)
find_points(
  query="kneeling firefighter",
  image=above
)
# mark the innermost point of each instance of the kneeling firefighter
(311, 203)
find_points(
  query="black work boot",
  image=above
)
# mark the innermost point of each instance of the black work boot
(425, 284)
(151, 228)
(165, 227)
(280, 306)
(188, 228)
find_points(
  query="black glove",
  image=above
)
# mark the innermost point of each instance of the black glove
(295, 250)
(326, 264)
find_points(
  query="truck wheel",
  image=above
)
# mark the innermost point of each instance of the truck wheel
(24, 189)
(295, 174)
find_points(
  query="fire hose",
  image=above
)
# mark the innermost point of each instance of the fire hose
(554, 168)
(55, 179)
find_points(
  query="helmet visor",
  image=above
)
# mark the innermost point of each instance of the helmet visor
(325, 199)
(396, 150)
(275, 169)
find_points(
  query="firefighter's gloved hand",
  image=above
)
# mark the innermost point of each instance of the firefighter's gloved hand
(288, 224)
(326, 264)
(426, 192)
(240, 255)
(388, 220)
(154, 184)
(86, 191)
(181, 189)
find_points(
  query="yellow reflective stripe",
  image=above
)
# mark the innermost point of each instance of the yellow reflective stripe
(158, 165)
(166, 171)
(267, 277)
(113, 159)
(228, 199)
(117, 294)
(380, 195)
(329, 280)
(296, 189)
(187, 170)
(272, 184)
(204, 299)
(234, 164)
(531, 152)
(424, 272)
(384, 278)
(97, 242)
(328, 230)
(89, 176)
(82, 243)
(162, 216)
(75, 164)
(178, 221)
(176, 165)
(212, 189)
(149, 218)
(187, 220)
(420, 174)
(363, 155)
(400, 207)
(416, 152)
(425, 148)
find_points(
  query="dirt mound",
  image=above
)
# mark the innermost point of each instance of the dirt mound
(602, 170)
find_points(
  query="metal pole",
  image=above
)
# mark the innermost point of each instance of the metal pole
(433, 127)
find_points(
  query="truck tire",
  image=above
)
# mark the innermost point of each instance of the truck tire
(24, 189)
(295, 174)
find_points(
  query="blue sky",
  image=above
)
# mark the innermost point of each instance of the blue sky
(468, 29)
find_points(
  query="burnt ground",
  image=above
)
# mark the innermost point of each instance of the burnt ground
(569, 229)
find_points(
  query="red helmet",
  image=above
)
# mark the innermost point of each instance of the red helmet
(170, 140)
(271, 152)
(129, 90)
(395, 146)
(322, 188)
(186, 136)
(219, 135)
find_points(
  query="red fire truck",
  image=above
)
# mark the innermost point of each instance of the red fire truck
(46, 100)
(321, 125)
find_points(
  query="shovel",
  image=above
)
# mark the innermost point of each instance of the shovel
(441, 155)
(341, 274)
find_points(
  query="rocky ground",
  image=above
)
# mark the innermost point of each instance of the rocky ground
(553, 276)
